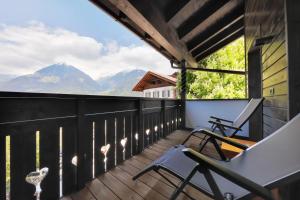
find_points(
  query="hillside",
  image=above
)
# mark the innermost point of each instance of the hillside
(121, 83)
(6, 77)
(61, 78)
(57, 78)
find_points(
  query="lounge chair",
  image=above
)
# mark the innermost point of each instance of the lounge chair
(270, 163)
(225, 127)
(230, 128)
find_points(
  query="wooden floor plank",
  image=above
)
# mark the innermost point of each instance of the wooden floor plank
(100, 191)
(157, 150)
(159, 147)
(166, 142)
(120, 189)
(142, 159)
(154, 153)
(139, 187)
(83, 194)
(152, 182)
(148, 154)
(192, 191)
(117, 184)
(66, 198)
(141, 166)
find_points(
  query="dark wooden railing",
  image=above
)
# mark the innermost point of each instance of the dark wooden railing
(69, 134)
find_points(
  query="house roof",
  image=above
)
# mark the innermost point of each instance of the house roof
(186, 30)
(150, 76)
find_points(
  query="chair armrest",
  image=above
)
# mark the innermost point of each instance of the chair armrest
(224, 125)
(221, 119)
(230, 175)
(223, 139)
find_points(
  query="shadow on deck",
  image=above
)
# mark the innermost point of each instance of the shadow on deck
(118, 184)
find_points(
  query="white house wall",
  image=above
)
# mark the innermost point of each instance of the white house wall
(198, 112)
(161, 89)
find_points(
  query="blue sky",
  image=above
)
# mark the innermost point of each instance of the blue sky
(79, 16)
(38, 33)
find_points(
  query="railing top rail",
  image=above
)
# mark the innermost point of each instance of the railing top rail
(238, 99)
(73, 96)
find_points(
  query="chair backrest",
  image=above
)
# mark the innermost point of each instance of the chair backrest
(274, 159)
(247, 112)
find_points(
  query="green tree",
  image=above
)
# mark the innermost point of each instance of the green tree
(211, 85)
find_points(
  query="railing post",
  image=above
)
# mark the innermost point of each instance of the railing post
(255, 91)
(2, 166)
(178, 114)
(84, 147)
(80, 147)
(140, 126)
(164, 119)
(183, 92)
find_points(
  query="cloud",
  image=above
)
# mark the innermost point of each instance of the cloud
(25, 49)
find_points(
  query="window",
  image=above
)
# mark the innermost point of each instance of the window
(169, 93)
(156, 94)
(163, 94)
(148, 94)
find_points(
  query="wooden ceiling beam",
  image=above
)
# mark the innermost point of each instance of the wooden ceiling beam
(198, 17)
(223, 71)
(201, 68)
(173, 8)
(218, 37)
(220, 44)
(147, 14)
(148, 19)
(215, 28)
(116, 9)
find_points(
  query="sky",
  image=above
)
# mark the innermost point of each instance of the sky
(38, 33)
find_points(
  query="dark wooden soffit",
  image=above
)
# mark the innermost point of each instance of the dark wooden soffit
(186, 30)
(149, 77)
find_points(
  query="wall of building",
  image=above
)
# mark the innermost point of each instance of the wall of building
(160, 91)
(265, 18)
(198, 112)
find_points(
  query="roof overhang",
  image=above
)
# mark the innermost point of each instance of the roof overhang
(140, 86)
(186, 30)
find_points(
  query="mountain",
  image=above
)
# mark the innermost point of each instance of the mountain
(61, 78)
(57, 78)
(121, 84)
(6, 77)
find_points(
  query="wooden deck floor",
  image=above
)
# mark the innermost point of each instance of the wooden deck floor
(118, 184)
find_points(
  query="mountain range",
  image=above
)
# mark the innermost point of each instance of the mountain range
(6, 77)
(121, 83)
(61, 78)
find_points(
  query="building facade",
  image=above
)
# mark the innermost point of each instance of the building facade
(154, 85)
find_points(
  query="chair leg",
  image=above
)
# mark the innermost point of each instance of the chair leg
(234, 133)
(147, 169)
(183, 184)
(204, 144)
(187, 138)
(222, 130)
(212, 184)
(219, 150)
(204, 139)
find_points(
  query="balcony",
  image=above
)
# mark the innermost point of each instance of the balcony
(77, 137)
(117, 183)
(93, 145)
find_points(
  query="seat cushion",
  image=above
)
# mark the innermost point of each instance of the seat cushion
(177, 163)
